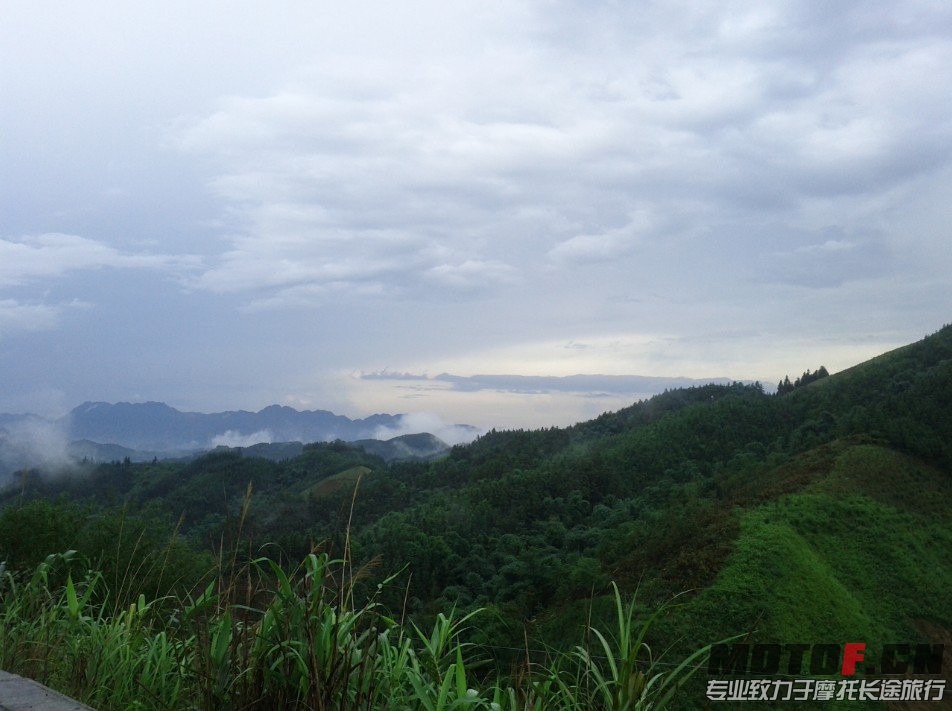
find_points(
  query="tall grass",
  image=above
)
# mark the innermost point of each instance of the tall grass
(264, 638)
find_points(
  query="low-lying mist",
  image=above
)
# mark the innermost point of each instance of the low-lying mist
(34, 443)
(417, 422)
(233, 438)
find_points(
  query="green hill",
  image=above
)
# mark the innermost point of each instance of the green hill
(346, 479)
(818, 515)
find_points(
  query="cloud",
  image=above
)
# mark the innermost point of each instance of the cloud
(418, 422)
(16, 316)
(605, 246)
(392, 375)
(48, 256)
(52, 254)
(26, 316)
(352, 188)
(598, 385)
(832, 259)
(233, 438)
(471, 274)
(681, 126)
(34, 442)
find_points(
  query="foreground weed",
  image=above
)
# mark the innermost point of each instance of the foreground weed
(298, 641)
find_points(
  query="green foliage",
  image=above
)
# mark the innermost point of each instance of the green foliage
(134, 553)
(785, 386)
(833, 561)
(297, 642)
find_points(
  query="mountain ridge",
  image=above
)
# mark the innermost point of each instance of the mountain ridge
(157, 427)
(97, 431)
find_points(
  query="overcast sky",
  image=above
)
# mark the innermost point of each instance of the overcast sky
(328, 205)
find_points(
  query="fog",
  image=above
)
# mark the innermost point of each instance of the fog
(34, 443)
(428, 422)
(231, 438)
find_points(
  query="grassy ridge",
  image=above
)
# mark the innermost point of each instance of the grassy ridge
(864, 552)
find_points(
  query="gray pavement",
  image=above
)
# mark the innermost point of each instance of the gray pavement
(19, 694)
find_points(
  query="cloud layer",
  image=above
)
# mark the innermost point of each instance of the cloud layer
(241, 208)
(50, 255)
(588, 385)
(657, 131)
(428, 422)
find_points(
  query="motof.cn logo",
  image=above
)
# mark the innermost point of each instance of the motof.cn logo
(845, 661)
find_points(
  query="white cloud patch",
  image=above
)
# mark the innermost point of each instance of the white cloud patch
(17, 316)
(233, 438)
(471, 274)
(48, 256)
(829, 263)
(34, 442)
(338, 186)
(831, 245)
(635, 386)
(611, 244)
(418, 422)
(52, 254)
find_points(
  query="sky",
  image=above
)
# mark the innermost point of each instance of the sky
(399, 207)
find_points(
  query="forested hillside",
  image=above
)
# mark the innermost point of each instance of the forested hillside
(819, 513)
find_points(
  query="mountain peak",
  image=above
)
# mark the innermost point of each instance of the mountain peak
(270, 409)
(90, 407)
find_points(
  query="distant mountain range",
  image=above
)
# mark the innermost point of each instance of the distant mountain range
(156, 426)
(100, 431)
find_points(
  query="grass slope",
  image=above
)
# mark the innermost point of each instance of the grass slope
(346, 479)
(862, 553)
